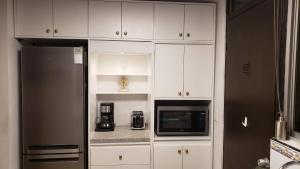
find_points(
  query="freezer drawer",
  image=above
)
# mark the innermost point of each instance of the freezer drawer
(53, 161)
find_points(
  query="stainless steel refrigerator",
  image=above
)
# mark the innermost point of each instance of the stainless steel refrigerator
(53, 108)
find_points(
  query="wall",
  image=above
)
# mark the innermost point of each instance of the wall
(3, 88)
(9, 93)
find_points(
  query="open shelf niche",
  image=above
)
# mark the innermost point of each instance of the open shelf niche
(111, 61)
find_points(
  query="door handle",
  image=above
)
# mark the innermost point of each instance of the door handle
(245, 122)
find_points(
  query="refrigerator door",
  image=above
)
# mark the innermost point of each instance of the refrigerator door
(53, 161)
(52, 98)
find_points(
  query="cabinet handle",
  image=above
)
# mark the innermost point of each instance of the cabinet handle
(187, 93)
(188, 34)
(47, 30)
(120, 157)
(55, 30)
(180, 34)
(179, 93)
(125, 33)
(186, 151)
(179, 151)
(117, 32)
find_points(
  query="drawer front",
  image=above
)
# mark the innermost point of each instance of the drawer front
(135, 155)
(122, 167)
(105, 156)
(120, 155)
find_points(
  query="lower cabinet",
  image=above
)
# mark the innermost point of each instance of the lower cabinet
(122, 167)
(195, 155)
(120, 157)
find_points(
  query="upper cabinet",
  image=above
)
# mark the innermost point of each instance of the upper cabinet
(134, 20)
(70, 18)
(105, 19)
(199, 22)
(184, 22)
(184, 71)
(33, 18)
(127, 20)
(48, 18)
(137, 20)
(168, 21)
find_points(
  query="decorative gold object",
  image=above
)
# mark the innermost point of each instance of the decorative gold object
(123, 82)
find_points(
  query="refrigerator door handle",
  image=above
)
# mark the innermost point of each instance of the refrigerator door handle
(53, 157)
(53, 151)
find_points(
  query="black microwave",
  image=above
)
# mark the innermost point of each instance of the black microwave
(182, 121)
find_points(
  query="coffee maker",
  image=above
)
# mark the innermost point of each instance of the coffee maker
(105, 117)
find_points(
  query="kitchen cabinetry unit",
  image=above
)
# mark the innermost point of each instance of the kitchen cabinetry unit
(135, 19)
(70, 18)
(105, 19)
(188, 22)
(48, 18)
(120, 156)
(183, 156)
(33, 18)
(184, 71)
(168, 21)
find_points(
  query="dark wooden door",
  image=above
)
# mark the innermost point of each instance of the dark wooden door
(249, 86)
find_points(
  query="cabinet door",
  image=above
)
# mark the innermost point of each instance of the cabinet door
(168, 21)
(70, 18)
(101, 156)
(167, 157)
(135, 155)
(105, 19)
(197, 156)
(199, 22)
(137, 20)
(34, 18)
(198, 71)
(169, 70)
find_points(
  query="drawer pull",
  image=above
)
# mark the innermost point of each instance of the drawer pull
(187, 151)
(179, 151)
(120, 157)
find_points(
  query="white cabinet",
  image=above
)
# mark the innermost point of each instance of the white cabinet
(199, 22)
(70, 18)
(183, 156)
(105, 19)
(48, 18)
(168, 21)
(198, 71)
(33, 18)
(137, 20)
(184, 71)
(127, 20)
(120, 157)
(167, 156)
(197, 156)
(188, 22)
(169, 70)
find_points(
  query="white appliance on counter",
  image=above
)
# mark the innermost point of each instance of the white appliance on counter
(283, 156)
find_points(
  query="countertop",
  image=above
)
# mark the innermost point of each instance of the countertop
(121, 134)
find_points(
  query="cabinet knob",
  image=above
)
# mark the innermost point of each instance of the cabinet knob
(188, 34)
(187, 93)
(179, 151)
(120, 157)
(186, 151)
(55, 30)
(117, 32)
(179, 93)
(125, 33)
(47, 30)
(180, 34)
